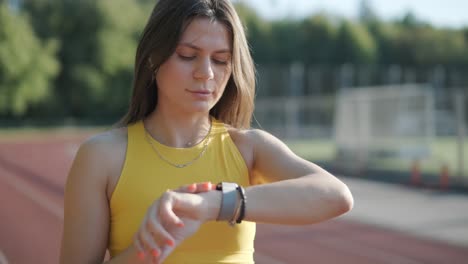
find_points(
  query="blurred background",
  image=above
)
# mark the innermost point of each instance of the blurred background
(371, 89)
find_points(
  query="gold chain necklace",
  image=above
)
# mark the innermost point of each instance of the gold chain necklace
(183, 165)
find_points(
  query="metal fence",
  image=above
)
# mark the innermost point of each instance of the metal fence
(301, 80)
(290, 108)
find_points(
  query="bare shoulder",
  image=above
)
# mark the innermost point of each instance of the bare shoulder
(101, 157)
(254, 138)
(108, 140)
(242, 141)
(268, 147)
(106, 145)
(271, 159)
(239, 136)
(248, 140)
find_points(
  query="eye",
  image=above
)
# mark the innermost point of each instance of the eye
(220, 62)
(186, 58)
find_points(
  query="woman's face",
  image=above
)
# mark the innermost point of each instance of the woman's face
(195, 76)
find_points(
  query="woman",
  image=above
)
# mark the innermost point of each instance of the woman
(144, 190)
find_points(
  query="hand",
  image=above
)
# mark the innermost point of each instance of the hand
(175, 216)
(197, 187)
(190, 225)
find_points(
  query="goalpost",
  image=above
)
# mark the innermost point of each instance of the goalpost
(384, 121)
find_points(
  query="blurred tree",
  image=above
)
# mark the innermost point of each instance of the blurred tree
(74, 24)
(409, 20)
(384, 35)
(355, 44)
(285, 42)
(366, 12)
(423, 45)
(116, 41)
(258, 33)
(464, 32)
(27, 66)
(98, 42)
(318, 39)
(438, 47)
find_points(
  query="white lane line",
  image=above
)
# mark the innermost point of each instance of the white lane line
(265, 259)
(3, 259)
(36, 196)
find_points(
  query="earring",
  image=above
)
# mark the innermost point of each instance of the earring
(150, 63)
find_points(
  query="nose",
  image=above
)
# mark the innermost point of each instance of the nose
(204, 70)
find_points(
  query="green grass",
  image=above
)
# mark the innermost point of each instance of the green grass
(443, 151)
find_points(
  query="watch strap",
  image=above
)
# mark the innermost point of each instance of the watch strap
(228, 200)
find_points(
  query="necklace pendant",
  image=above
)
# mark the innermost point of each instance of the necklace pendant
(180, 166)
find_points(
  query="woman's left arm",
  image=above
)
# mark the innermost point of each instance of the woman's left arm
(295, 191)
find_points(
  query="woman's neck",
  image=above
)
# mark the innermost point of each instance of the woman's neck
(178, 130)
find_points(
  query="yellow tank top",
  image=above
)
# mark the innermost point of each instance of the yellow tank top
(145, 177)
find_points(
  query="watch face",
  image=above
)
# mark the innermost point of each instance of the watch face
(219, 186)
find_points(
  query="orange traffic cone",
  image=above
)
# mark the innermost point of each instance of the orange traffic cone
(415, 173)
(444, 177)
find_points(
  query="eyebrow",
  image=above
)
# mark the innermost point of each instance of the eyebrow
(198, 48)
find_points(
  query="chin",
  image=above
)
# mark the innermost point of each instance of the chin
(200, 107)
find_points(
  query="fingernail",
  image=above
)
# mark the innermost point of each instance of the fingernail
(154, 252)
(208, 185)
(170, 243)
(192, 187)
(141, 255)
(180, 224)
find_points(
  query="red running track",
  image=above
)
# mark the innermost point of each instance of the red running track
(33, 173)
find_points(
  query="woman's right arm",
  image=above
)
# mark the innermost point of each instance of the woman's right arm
(86, 214)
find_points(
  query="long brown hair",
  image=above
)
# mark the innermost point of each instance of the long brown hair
(158, 42)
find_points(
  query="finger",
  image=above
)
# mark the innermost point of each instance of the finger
(138, 243)
(204, 187)
(213, 187)
(190, 188)
(166, 210)
(149, 234)
(197, 187)
(160, 237)
(151, 249)
(139, 248)
(209, 186)
(156, 255)
(156, 223)
(187, 205)
(164, 254)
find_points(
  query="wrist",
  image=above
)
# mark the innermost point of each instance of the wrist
(211, 205)
(233, 202)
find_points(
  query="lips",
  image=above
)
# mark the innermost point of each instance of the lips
(200, 91)
(201, 94)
